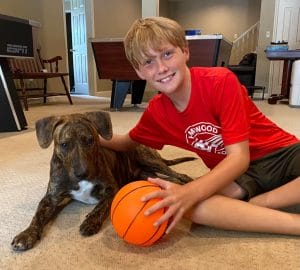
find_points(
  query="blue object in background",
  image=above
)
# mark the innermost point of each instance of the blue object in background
(277, 47)
(192, 32)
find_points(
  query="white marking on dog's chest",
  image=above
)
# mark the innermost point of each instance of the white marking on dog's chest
(83, 194)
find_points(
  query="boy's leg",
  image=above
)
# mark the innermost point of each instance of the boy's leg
(231, 214)
(257, 215)
(274, 180)
(233, 190)
(286, 195)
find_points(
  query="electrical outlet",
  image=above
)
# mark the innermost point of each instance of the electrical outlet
(268, 34)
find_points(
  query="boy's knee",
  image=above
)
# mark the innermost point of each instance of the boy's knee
(234, 191)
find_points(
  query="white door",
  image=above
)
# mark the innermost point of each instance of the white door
(79, 45)
(286, 25)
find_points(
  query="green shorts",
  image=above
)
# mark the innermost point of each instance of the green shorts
(271, 171)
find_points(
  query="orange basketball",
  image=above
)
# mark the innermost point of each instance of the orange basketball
(127, 214)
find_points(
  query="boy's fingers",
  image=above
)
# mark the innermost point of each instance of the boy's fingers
(174, 221)
(170, 227)
(152, 195)
(165, 217)
(162, 183)
(160, 204)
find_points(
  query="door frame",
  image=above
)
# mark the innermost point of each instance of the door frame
(90, 33)
(69, 48)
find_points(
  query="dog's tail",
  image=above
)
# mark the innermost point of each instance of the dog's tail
(175, 161)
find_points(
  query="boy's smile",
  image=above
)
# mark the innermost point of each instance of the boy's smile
(166, 79)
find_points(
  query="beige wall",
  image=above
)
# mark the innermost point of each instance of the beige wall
(49, 14)
(216, 16)
(29, 9)
(25, 10)
(266, 24)
(51, 35)
(228, 18)
(113, 18)
(164, 7)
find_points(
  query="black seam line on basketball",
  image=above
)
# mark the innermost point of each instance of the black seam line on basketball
(148, 185)
(143, 244)
(133, 220)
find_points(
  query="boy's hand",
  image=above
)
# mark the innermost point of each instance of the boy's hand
(174, 197)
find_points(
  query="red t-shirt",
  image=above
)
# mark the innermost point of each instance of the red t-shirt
(219, 113)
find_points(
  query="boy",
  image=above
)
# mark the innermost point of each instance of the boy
(207, 111)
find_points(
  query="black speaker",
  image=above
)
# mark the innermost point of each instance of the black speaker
(12, 117)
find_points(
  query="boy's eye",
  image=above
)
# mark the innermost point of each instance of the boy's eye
(147, 62)
(168, 54)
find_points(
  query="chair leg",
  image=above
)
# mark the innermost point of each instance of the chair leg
(250, 91)
(45, 90)
(263, 93)
(24, 94)
(66, 89)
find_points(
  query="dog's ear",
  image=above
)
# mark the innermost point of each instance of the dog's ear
(102, 122)
(44, 130)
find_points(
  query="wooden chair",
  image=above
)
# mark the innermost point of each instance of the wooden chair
(24, 69)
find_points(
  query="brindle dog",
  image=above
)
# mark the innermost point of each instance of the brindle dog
(83, 170)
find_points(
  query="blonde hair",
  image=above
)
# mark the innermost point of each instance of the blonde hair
(151, 33)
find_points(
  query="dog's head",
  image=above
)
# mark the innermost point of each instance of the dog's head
(76, 141)
(46, 127)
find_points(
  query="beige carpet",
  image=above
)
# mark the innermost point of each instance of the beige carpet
(24, 170)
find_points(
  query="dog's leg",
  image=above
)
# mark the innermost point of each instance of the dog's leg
(94, 220)
(48, 207)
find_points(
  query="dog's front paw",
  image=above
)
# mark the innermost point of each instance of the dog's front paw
(25, 240)
(90, 226)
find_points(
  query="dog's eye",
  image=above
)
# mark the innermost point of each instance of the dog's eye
(64, 145)
(89, 141)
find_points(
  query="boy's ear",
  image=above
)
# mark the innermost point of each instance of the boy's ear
(187, 52)
(139, 74)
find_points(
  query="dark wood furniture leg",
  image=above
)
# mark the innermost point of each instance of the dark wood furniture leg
(137, 91)
(119, 91)
(285, 82)
(286, 78)
(66, 89)
(24, 94)
(45, 90)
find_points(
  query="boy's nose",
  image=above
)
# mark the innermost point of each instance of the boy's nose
(161, 66)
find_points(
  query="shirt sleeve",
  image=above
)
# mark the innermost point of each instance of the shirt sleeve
(231, 105)
(147, 131)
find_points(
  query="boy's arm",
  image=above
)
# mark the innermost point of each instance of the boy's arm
(119, 142)
(227, 171)
(179, 199)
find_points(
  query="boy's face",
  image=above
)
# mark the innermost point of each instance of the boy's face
(164, 69)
